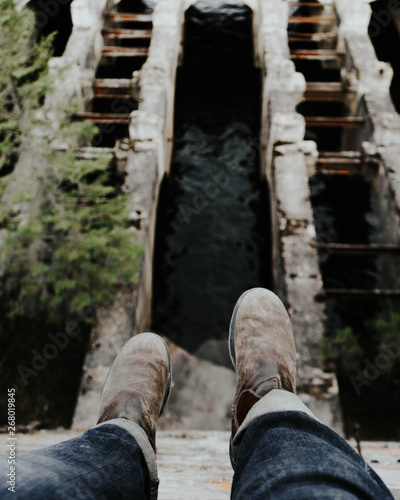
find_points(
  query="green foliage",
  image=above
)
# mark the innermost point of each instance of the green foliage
(68, 246)
(78, 250)
(343, 347)
(23, 77)
(388, 328)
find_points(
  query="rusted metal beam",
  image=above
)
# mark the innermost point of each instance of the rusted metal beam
(112, 88)
(305, 36)
(322, 20)
(307, 4)
(335, 122)
(124, 34)
(128, 17)
(117, 118)
(314, 52)
(316, 55)
(347, 249)
(352, 167)
(312, 37)
(344, 163)
(116, 51)
(338, 162)
(321, 91)
(360, 293)
(340, 154)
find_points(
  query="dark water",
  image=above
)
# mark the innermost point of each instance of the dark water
(213, 223)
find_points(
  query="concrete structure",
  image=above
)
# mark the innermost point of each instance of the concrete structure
(287, 162)
(297, 278)
(196, 464)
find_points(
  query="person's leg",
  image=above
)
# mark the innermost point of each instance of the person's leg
(279, 450)
(291, 456)
(115, 459)
(105, 463)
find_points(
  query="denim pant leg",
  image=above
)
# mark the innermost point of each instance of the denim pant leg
(288, 455)
(104, 463)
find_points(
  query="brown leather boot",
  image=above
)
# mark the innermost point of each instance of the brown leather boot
(138, 384)
(262, 350)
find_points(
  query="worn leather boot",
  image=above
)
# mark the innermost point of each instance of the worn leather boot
(138, 384)
(262, 350)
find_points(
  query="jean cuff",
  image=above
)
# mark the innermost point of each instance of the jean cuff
(144, 444)
(274, 401)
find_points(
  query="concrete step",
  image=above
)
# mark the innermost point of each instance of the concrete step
(195, 464)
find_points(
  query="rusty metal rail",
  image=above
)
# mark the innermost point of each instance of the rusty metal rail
(324, 91)
(346, 163)
(117, 118)
(116, 51)
(312, 37)
(125, 34)
(316, 55)
(322, 20)
(307, 4)
(335, 121)
(112, 88)
(340, 154)
(356, 250)
(127, 17)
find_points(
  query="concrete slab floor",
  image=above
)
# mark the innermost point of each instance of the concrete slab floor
(195, 464)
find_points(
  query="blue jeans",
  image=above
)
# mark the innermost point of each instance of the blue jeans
(104, 463)
(290, 456)
(283, 455)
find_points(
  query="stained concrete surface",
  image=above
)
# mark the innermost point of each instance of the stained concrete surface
(195, 464)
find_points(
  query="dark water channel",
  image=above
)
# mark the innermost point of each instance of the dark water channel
(213, 236)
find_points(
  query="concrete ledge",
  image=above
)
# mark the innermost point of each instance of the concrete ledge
(287, 163)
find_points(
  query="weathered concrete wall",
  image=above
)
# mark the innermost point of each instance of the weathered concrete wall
(151, 129)
(287, 162)
(147, 161)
